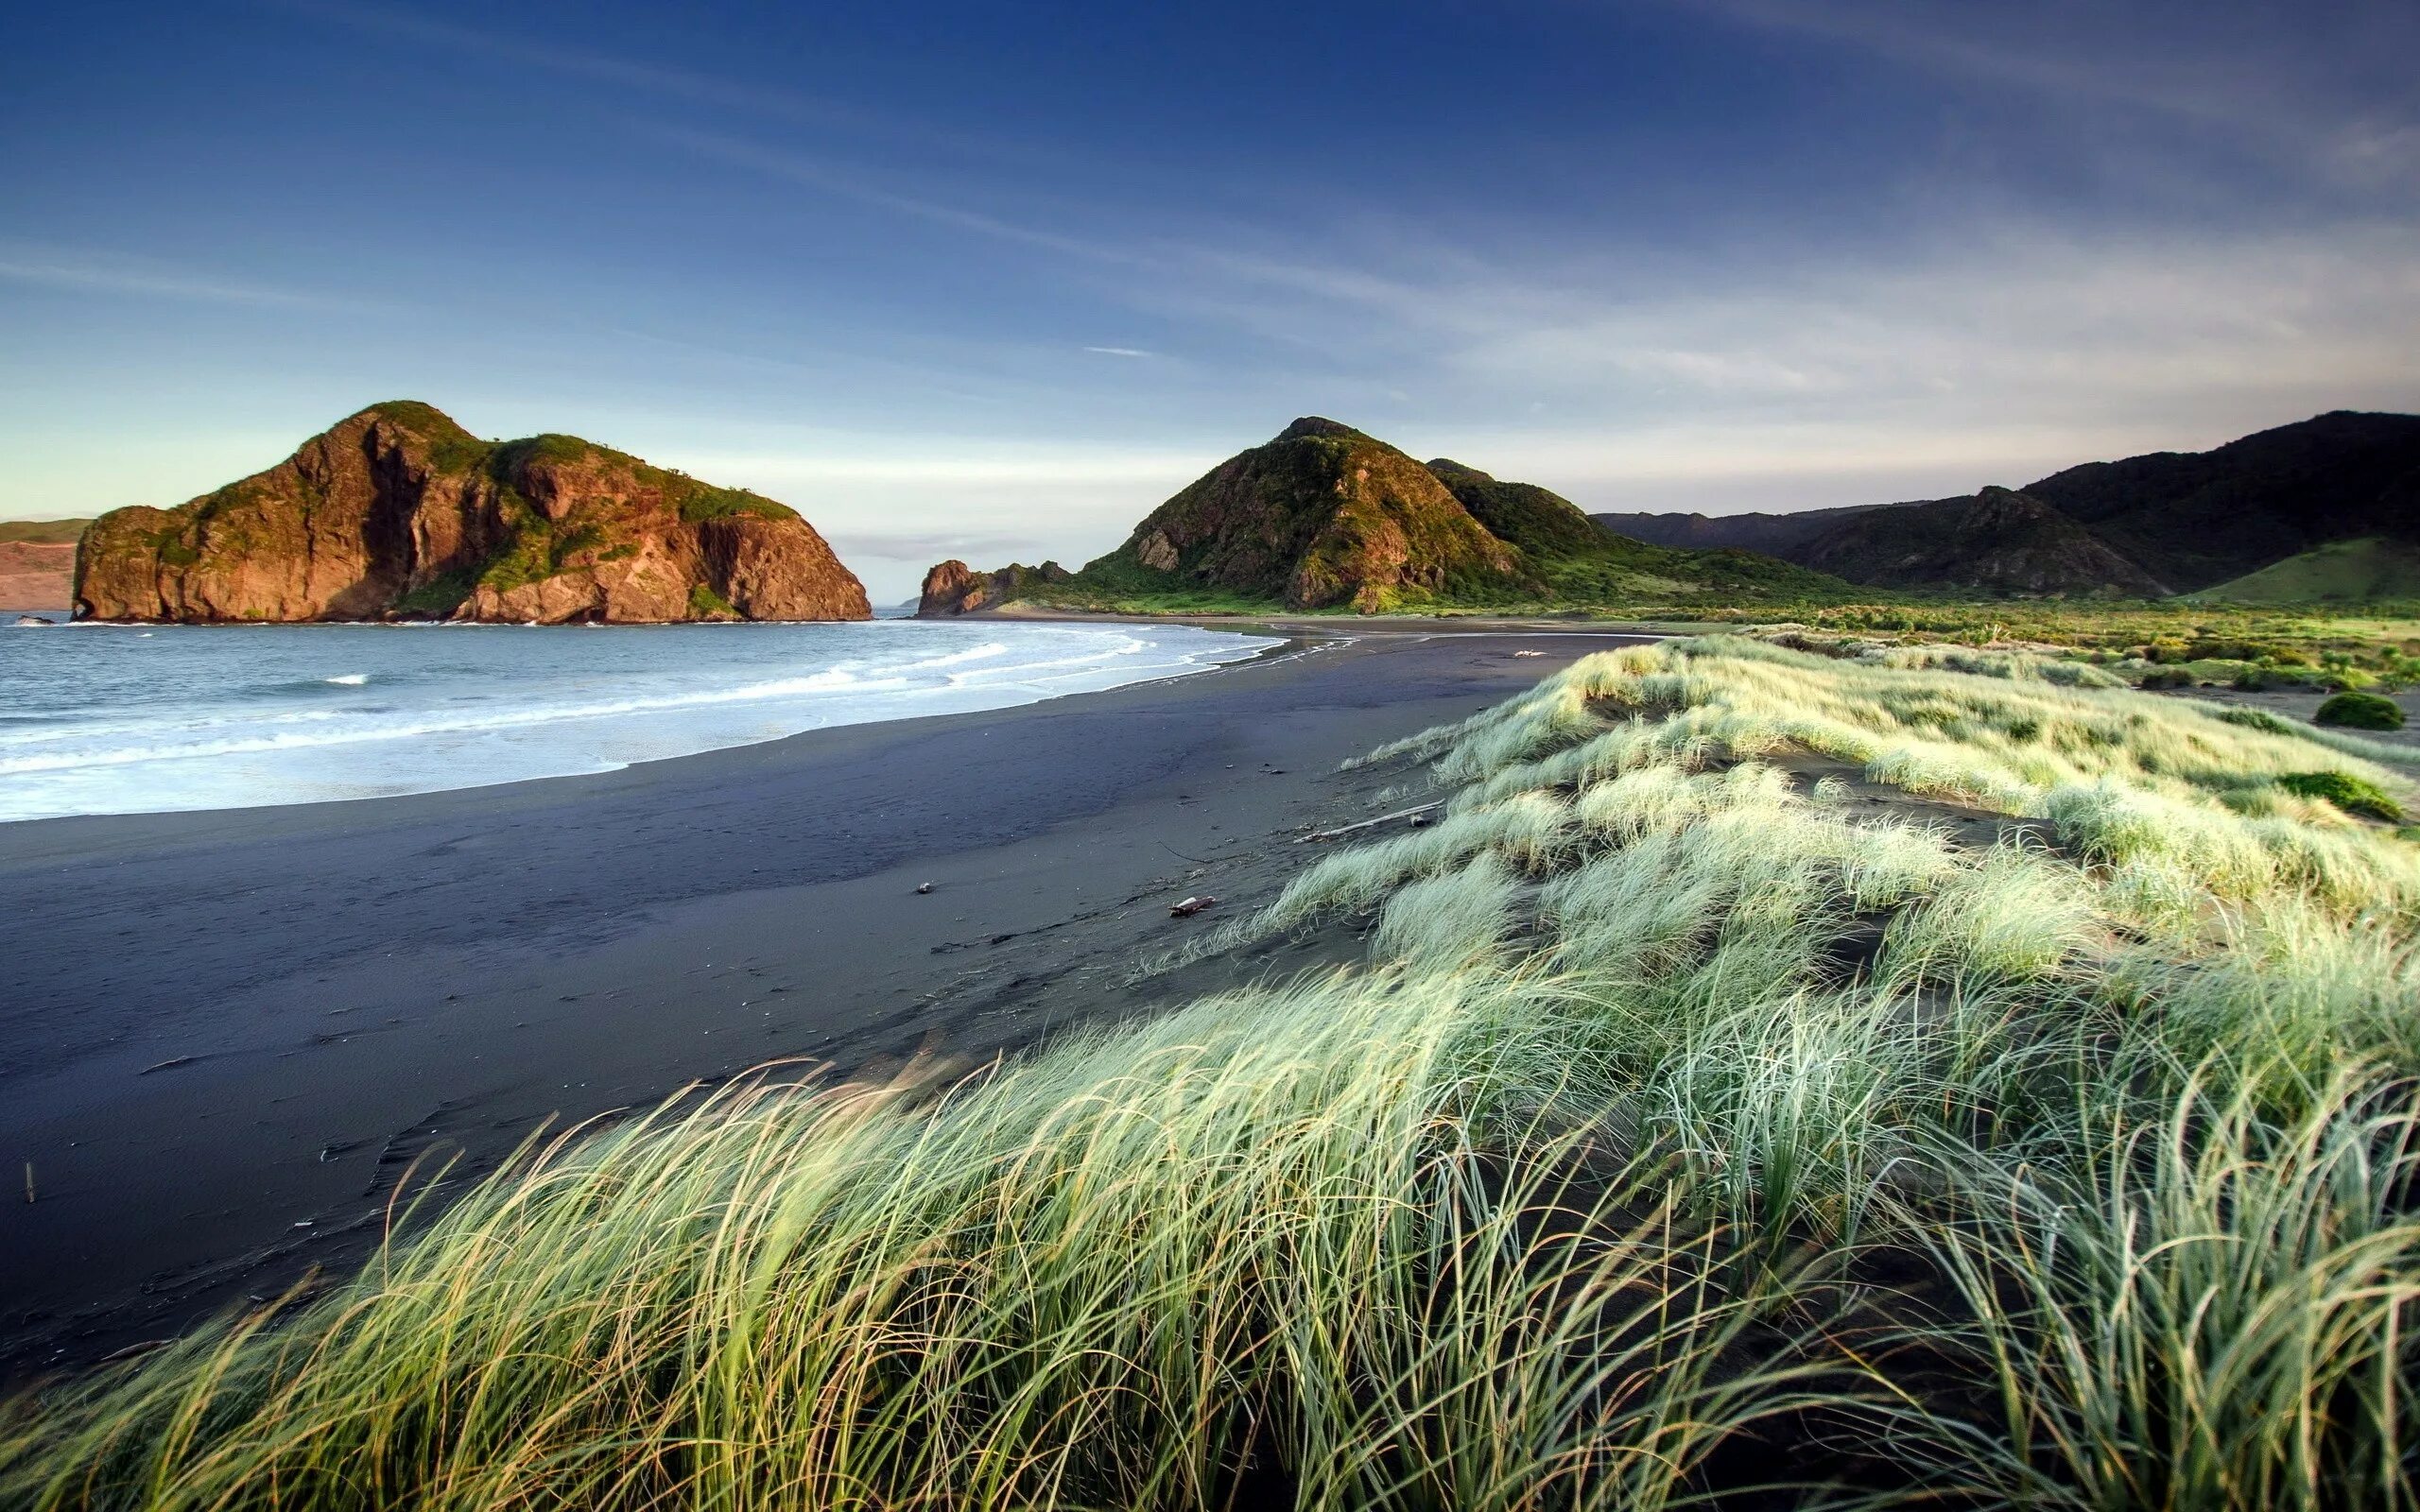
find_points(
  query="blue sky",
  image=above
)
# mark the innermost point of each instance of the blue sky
(990, 279)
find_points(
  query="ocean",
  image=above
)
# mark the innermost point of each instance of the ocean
(127, 719)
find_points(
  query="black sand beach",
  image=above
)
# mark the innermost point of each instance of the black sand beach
(224, 1037)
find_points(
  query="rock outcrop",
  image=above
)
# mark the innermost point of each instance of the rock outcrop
(398, 513)
(1325, 517)
(952, 588)
(1321, 516)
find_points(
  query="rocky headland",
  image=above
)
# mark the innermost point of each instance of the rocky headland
(1325, 517)
(397, 512)
(952, 588)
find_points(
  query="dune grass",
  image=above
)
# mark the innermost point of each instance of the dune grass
(1775, 1078)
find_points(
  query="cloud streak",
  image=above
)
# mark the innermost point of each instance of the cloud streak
(2302, 84)
(110, 274)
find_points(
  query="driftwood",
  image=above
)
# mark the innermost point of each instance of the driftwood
(1190, 906)
(132, 1350)
(1415, 815)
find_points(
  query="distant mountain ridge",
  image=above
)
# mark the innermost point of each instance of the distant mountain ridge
(1323, 516)
(37, 562)
(43, 532)
(1772, 534)
(1997, 543)
(2146, 526)
(398, 512)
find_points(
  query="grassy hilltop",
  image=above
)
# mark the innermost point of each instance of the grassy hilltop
(41, 532)
(1323, 519)
(1771, 1070)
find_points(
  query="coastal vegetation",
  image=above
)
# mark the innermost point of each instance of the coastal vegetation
(2157, 644)
(41, 532)
(2366, 571)
(1325, 519)
(1875, 1074)
(2360, 710)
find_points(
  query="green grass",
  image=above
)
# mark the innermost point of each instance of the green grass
(2350, 794)
(2344, 572)
(703, 501)
(2042, 1134)
(2150, 646)
(438, 597)
(2360, 710)
(43, 532)
(706, 604)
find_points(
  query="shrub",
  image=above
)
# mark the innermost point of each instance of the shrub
(2361, 710)
(2350, 794)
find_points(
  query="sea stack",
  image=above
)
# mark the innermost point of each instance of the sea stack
(397, 512)
(952, 588)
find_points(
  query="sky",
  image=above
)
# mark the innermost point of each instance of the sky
(992, 280)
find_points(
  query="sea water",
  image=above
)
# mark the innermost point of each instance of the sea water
(125, 719)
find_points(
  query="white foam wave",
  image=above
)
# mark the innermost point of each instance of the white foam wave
(977, 653)
(459, 724)
(204, 720)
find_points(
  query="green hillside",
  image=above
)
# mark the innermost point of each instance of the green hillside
(2344, 572)
(1327, 518)
(43, 532)
(1582, 562)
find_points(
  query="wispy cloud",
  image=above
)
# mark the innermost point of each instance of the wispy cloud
(717, 92)
(859, 186)
(117, 274)
(1119, 352)
(2323, 86)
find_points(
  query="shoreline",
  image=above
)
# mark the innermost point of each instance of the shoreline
(672, 721)
(231, 1032)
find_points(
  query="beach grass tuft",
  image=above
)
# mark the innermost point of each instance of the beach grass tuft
(1776, 1079)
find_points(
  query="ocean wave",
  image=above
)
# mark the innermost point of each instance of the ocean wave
(191, 722)
(821, 682)
(975, 653)
(1024, 670)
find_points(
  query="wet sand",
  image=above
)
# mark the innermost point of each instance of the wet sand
(225, 1036)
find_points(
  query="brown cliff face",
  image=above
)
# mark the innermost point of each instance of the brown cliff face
(1323, 515)
(952, 588)
(398, 512)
